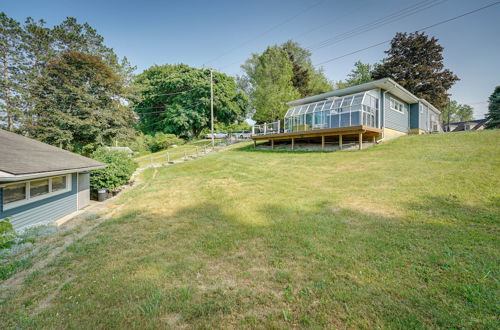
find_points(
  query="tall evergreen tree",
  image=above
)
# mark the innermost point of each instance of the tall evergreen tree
(493, 115)
(415, 61)
(12, 61)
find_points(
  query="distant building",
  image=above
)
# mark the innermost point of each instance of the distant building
(124, 149)
(470, 125)
(40, 183)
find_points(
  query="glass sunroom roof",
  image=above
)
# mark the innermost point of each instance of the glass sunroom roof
(345, 101)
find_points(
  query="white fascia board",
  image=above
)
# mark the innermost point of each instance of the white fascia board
(7, 177)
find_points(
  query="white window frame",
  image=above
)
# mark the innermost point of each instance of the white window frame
(394, 105)
(29, 200)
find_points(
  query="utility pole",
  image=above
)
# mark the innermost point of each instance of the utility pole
(449, 110)
(212, 106)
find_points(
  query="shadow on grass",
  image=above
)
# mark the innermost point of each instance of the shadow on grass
(197, 267)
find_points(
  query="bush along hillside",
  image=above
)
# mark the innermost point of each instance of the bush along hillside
(118, 172)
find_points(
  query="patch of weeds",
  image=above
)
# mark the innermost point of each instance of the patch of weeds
(82, 249)
(152, 304)
(282, 277)
(13, 267)
(30, 278)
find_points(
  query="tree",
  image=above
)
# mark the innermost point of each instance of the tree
(416, 63)
(306, 79)
(270, 75)
(78, 103)
(175, 99)
(25, 51)
(360, 74)
(12, 76)
(457, 112)
(493, 115)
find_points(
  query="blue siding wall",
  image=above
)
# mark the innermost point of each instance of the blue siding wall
(414, 111)
(394, 119)
(42, 211)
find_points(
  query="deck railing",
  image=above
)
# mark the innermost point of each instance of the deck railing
(342, 117)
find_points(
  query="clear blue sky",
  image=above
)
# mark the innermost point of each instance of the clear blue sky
(194, 32)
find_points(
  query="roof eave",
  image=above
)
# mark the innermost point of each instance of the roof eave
(385, 83)
(8, 177)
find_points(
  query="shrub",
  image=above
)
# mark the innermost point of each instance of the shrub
(118, 172)
(7, 234)
(162, 141)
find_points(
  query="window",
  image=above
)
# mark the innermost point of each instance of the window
(14, 192)
(21, 193)
(59, 183)
(39, 187)
(398, 106)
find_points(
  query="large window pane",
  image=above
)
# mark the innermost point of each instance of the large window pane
(14, 193)
(39, 187)
(59, 183)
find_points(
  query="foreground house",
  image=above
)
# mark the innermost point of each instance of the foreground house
(40, 183)
(471, 125)
(377, 110)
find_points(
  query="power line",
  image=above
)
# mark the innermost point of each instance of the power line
(266, 32)
(398, 15)
(163, 107)
(419, 30)
(394, 17)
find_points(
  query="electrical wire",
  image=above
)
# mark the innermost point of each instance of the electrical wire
(419, 30)
(394, 17)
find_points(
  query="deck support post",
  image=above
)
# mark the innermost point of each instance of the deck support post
(340, 142)
(360, 138)
(272, 144)
(322, 142)
(293, 143)
(254, 144)
(374, 139)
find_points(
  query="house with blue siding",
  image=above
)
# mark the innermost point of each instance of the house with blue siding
(376, 111)
(39, 183)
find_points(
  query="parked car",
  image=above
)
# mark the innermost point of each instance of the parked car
(218, 135)
(242, 134)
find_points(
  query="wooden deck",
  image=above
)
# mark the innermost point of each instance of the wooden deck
(357, 132)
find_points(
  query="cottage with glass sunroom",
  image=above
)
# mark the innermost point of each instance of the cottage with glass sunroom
(39, 183)
(370, 112)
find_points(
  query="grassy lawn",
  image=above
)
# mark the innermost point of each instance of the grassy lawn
(402, 235)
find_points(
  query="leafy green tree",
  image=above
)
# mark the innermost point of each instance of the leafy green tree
(306, 79)
(360, 74)
(175, 99)
(12, 61)
(457, 112)
(78, 103)
(415, 61)
(26, 50)
(270, 75)
(493, 115)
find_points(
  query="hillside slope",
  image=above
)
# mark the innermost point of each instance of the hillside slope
(401, 235)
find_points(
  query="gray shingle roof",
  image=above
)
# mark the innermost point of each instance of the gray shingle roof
(21, 155)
